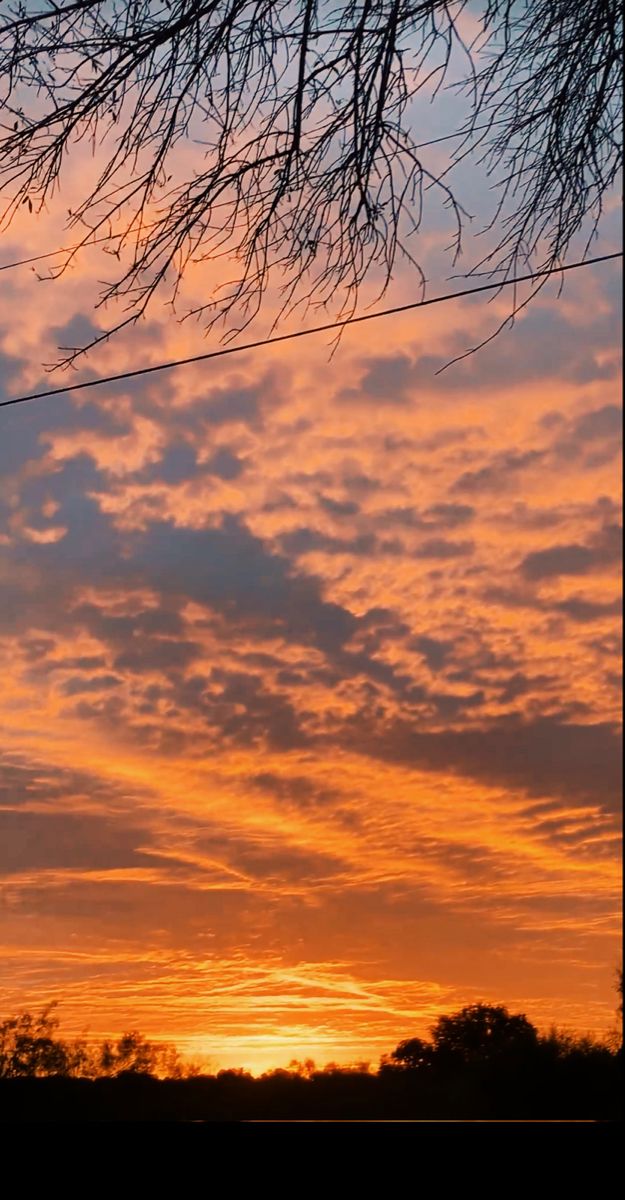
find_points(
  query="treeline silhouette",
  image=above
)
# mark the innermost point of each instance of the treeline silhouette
(480, 1063)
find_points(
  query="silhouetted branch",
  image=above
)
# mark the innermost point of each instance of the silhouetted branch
(307, 166)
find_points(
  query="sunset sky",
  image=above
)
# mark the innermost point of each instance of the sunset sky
(310, 668)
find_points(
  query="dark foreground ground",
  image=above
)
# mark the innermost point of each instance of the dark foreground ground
(567, 1093)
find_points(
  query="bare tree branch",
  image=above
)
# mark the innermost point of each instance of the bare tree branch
(307, 166)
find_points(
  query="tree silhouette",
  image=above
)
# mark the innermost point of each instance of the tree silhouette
(133, 1054)
(618, 1032)
(483, 1032)
(413, 1053)
(307, 163)
(29, 1046)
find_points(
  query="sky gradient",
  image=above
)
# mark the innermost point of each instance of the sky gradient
(311, 673)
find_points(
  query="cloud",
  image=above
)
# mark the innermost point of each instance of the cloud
(225, 464)
(298, 790)
(339, 508)
(574, 559)
(242, 708)
(435, 652)
(589, 440)
(498, 474)
(580, 609)
(178, 464)
(526, 352)
(542, 757)
(386, 380)
(95, 683)
(604, 422)
(24, 782)
(229, 570)
(443, 548)
(449, 515)
(46, 841)
(395, 379)
(306, 541)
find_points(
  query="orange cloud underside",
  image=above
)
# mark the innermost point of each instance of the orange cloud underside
(310, 682)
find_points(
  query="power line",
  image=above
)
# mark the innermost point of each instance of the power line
(287, 337)
(23, 262)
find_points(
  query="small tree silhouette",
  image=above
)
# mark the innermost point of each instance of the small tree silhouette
(29, 1046)
(413, 1053)
(133, 1054)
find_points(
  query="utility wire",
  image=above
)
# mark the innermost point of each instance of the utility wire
(23, 262)
(287, 337)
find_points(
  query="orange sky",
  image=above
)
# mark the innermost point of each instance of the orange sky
(310, 705)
